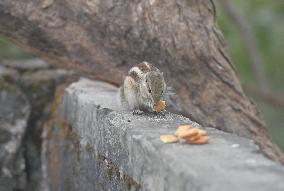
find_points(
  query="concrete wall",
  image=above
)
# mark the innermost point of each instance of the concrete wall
(90, 145)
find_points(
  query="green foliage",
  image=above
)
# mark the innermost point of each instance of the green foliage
(266, 19)
(10, 51)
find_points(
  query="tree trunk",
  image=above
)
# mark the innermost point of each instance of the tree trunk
(104, 38)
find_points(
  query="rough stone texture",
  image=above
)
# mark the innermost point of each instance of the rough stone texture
(93, 147)
(14, 112)
(26, 92)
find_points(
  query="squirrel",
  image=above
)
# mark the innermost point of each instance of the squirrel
(142, 89)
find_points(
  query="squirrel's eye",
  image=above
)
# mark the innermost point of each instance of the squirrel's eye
(150, 91)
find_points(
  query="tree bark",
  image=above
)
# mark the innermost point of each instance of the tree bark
(104, 38)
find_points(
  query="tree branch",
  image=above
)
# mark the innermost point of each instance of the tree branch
(276, 100)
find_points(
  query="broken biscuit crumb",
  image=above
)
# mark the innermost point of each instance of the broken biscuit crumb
(169, 138)
(201, 140)
(188, 133)
(182, 128)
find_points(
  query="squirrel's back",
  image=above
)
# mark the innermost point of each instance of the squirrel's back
(141, 69)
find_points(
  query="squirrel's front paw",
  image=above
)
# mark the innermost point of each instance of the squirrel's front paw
(137, 112)
(162, 112)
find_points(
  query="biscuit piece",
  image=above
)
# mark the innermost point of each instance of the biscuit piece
(169, 138)
(160, 106)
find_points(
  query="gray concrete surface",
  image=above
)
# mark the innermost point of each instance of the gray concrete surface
(106, 149)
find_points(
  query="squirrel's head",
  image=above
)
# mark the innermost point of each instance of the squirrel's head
(153, 87)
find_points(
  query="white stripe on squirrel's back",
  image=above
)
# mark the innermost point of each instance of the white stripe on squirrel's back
(136, 70)
(147, 64)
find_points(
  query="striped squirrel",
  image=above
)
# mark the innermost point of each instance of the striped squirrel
(143, 87)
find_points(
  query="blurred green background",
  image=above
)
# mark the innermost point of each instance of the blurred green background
(266, 20)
